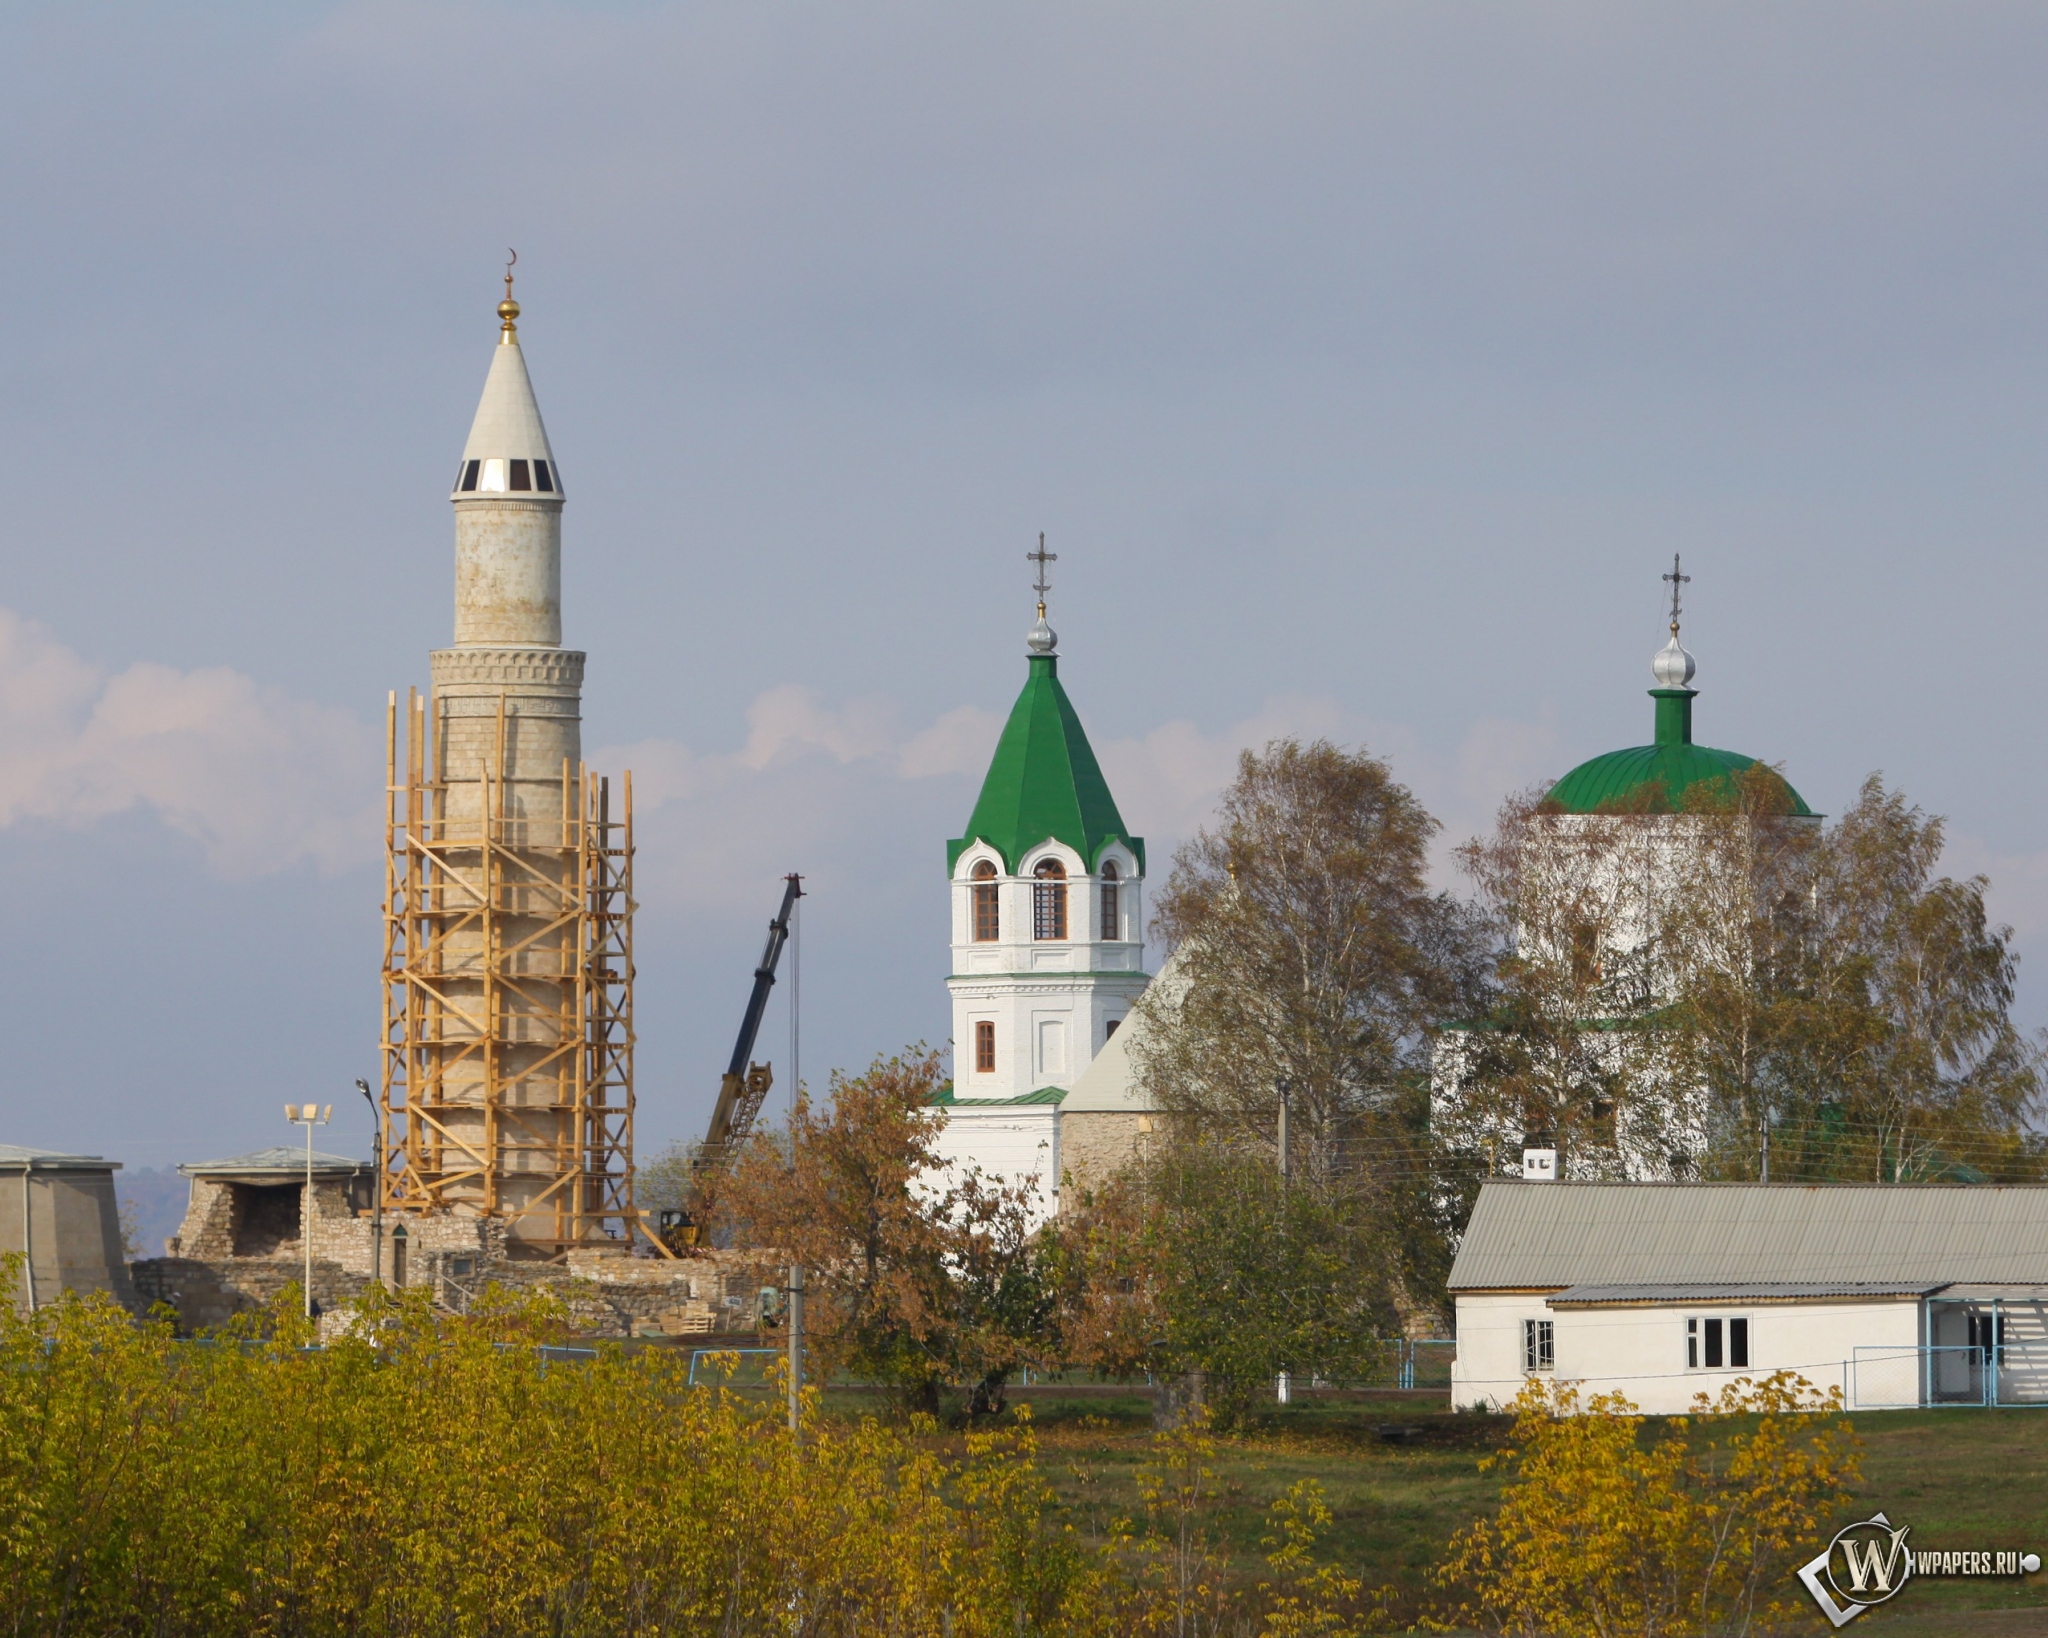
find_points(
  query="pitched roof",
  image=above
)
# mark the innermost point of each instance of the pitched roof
(1548, 1236)
(1624, 1296)
(15, 1155)
(283, 1158)
(1110, 1083)
(1044, 783)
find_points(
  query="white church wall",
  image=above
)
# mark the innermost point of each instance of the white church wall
(1010, 1144)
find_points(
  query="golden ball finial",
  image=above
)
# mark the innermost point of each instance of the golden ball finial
(508, 309)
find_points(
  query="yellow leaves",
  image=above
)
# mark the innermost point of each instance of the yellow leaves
(1601, 1533)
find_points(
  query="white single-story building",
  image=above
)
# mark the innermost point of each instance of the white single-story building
(1901, 1295)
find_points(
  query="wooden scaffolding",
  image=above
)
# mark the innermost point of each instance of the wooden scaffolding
(508, 996)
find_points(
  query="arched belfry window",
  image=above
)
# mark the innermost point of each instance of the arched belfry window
(1049, 900)
(988, 918)
(1112, 928)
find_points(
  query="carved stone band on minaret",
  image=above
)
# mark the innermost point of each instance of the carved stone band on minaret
(521, 668)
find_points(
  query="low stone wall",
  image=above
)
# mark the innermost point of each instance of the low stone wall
(608, 1295)
(206, 1293)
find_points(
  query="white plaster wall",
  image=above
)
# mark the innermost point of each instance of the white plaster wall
(1012, 1144)
(1640, 1352)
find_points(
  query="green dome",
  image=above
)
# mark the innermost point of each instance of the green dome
(1655, 778)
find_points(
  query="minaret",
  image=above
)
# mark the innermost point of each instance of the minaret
(508, 598)
(508, 967)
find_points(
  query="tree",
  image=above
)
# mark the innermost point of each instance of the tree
(910, 1279)
(1204, 1263)
(1747, 989)
(1311, 950)
(1600, 1534)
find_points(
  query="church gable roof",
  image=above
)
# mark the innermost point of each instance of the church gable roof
(1044, 783)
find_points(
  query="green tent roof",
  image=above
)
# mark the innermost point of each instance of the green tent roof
(1654, 778)
(1044, 784)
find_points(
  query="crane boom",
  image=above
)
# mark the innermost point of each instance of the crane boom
(744, 1085)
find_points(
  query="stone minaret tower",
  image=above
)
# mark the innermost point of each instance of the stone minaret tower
(508, 696)
(508, 1043)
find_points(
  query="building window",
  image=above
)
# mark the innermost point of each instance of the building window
(468, 479)
(1539, 1345)
(522, 475)
(492, 482)
(542, 478)
(1714, 1344)
(985, 1048)
(1109, 1029)
(1049, 900)
(1111, 927)
(988, 918)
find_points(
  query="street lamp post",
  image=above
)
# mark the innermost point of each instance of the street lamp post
(308, 1115)
(376, 1184)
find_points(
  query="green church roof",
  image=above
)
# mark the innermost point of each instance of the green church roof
(1044, 784)
(1655, 778)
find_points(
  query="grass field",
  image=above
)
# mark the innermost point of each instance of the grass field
(1960, 1478)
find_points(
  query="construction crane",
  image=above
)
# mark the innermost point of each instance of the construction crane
(742, 1089)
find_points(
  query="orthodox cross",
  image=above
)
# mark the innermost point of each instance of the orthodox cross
(1678, 583)
(1041, 557)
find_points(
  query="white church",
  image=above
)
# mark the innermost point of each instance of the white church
(1048, 951)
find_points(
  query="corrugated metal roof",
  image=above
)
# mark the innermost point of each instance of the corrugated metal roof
(280, 1159)
(15, 1155)
(1595, 1296)
(1536, 1236)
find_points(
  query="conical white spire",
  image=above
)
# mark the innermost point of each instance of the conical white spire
(508, 428)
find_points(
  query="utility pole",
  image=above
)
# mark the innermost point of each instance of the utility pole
(308, 1115)
(1283, 1388)
(376, 1184)
(1285, 1087)
(796, 1346)
(28, 1244)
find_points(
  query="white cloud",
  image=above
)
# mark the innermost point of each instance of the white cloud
(960, 742)
(261, 781)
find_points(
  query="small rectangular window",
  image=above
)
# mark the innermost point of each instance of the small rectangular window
(1109, 1029)
(1692, 1345)
(522, 475)
(492, 479)
(542, 478)
(985, 1048)
(1539, 1345)
(1738, 1344)
(469, 476)
(1715, 1344)
(988, 919)
(1112, 928)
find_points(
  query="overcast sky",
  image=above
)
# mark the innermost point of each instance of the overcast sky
(1364, 363)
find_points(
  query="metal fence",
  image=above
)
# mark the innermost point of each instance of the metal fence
(1908, 1378)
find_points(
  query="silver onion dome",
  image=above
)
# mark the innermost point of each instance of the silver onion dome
(1673, 667)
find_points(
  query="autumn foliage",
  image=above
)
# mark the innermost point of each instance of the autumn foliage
(1603, 1531)
(463, 1478)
